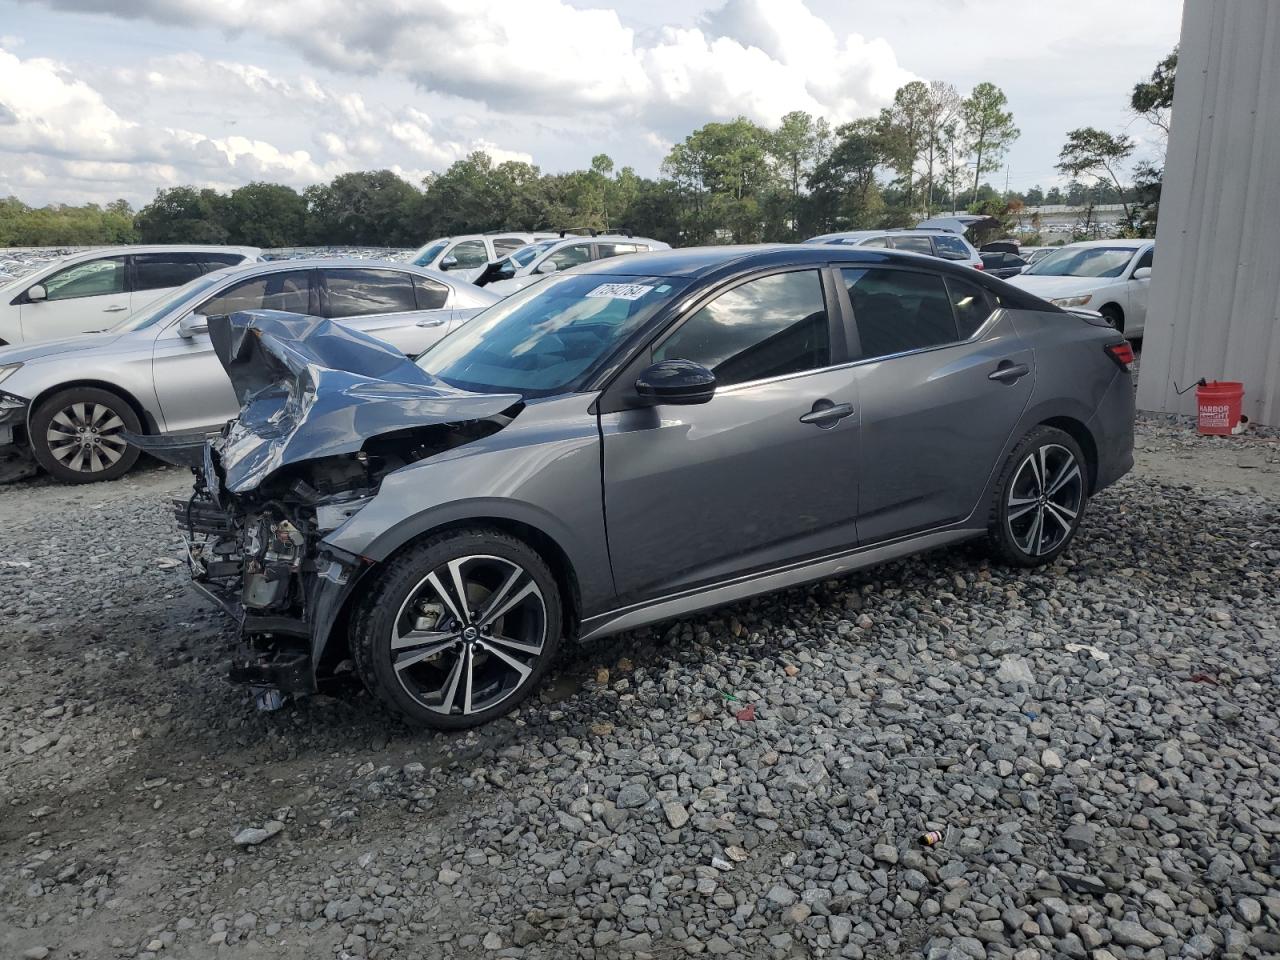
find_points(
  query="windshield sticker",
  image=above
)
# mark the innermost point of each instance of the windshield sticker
(621, 291)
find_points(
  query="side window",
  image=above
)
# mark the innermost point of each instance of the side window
(431, 295)
(913, 244)
(216, 261)
(1145, 260)
(158, 271)
(469, 253)
(617, 249)
(874, 242)
(899, 310)
(93, 278)
(971, 304)
(571, 256)
(361, 292)
(288, 290)
(951, 248)
(763, 328)
(506, 245)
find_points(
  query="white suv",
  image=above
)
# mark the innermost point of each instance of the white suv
(531, 263)
(466, 256)
(933, 243)
(97, 289)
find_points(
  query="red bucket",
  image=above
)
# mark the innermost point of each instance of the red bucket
(1218, 403)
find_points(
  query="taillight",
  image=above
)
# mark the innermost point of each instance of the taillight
(979, 265)
(1121, 353)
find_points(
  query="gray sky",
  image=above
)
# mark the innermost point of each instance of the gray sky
(107, 98)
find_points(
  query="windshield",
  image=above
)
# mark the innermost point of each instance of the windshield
(524, 256)
(545, 339)
(157, 309)
(1084, 262)
(428, 253)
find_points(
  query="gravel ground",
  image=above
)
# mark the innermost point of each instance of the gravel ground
(1097, 742)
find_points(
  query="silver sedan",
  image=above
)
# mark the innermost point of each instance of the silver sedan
(65, 404)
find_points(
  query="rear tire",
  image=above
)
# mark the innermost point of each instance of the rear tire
(1040, 499)
(75, 435)
(459, 629)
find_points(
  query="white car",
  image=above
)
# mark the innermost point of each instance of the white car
(943, 244)
(98, 288)
(466, 256)
(64, 403)
(531, 263)
(1108, 276)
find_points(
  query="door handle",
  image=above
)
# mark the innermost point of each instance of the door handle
(1009, 372)
(116, 309)
(826, 414)
(431, 322)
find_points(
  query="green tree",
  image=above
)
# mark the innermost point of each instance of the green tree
(722, 173)
(844, 193)
(797, 147)
(908, 124)
(266, 215)
(941, 129)
(1153, 98)
(374, 208)
(989, 129)
(1095, 153)
(184, 215)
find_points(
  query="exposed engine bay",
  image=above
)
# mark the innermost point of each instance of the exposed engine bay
(327, 413)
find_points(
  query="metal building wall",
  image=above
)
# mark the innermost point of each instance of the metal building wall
(1214, 310)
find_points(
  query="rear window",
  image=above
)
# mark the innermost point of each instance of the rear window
(951, 248)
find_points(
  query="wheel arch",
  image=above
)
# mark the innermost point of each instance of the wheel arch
(1080, 433)
(329, 653)
(145, 417)
(1119, 310)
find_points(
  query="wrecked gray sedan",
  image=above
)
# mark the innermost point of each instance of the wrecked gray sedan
(628, 442)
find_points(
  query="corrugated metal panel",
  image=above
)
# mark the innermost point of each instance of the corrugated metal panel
(1214, 310)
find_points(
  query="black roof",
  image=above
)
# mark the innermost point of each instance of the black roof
(712, 263)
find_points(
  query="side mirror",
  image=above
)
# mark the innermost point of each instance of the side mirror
(192, 324)
(1142, 273)
(680, 382)
(449, 262)
(547, 266)
(36, 292)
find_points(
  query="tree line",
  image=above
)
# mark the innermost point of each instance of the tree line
(726, 182)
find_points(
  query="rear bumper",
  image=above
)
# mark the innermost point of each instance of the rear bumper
(1112, 430)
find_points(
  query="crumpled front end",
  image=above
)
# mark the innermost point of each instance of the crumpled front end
(327, 412)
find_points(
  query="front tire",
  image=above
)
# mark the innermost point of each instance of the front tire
(75, 435)
(1039, 500)
(458, 630)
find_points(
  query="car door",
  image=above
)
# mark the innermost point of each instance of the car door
(191, 387)
(764, 473)
(85, 296)
(385, 303)
(942, 379)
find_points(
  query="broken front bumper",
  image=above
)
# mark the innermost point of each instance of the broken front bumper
(281, 649)
(16, 461)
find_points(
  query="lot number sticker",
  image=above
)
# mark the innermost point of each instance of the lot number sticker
(620, 291)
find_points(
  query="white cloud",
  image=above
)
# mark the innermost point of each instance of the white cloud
(758, 57)
(54, 121)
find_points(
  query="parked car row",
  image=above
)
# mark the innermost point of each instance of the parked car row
(77, 378)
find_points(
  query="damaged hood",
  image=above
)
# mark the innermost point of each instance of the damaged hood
(312, 388)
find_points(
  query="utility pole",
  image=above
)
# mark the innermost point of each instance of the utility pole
(1006, 183)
